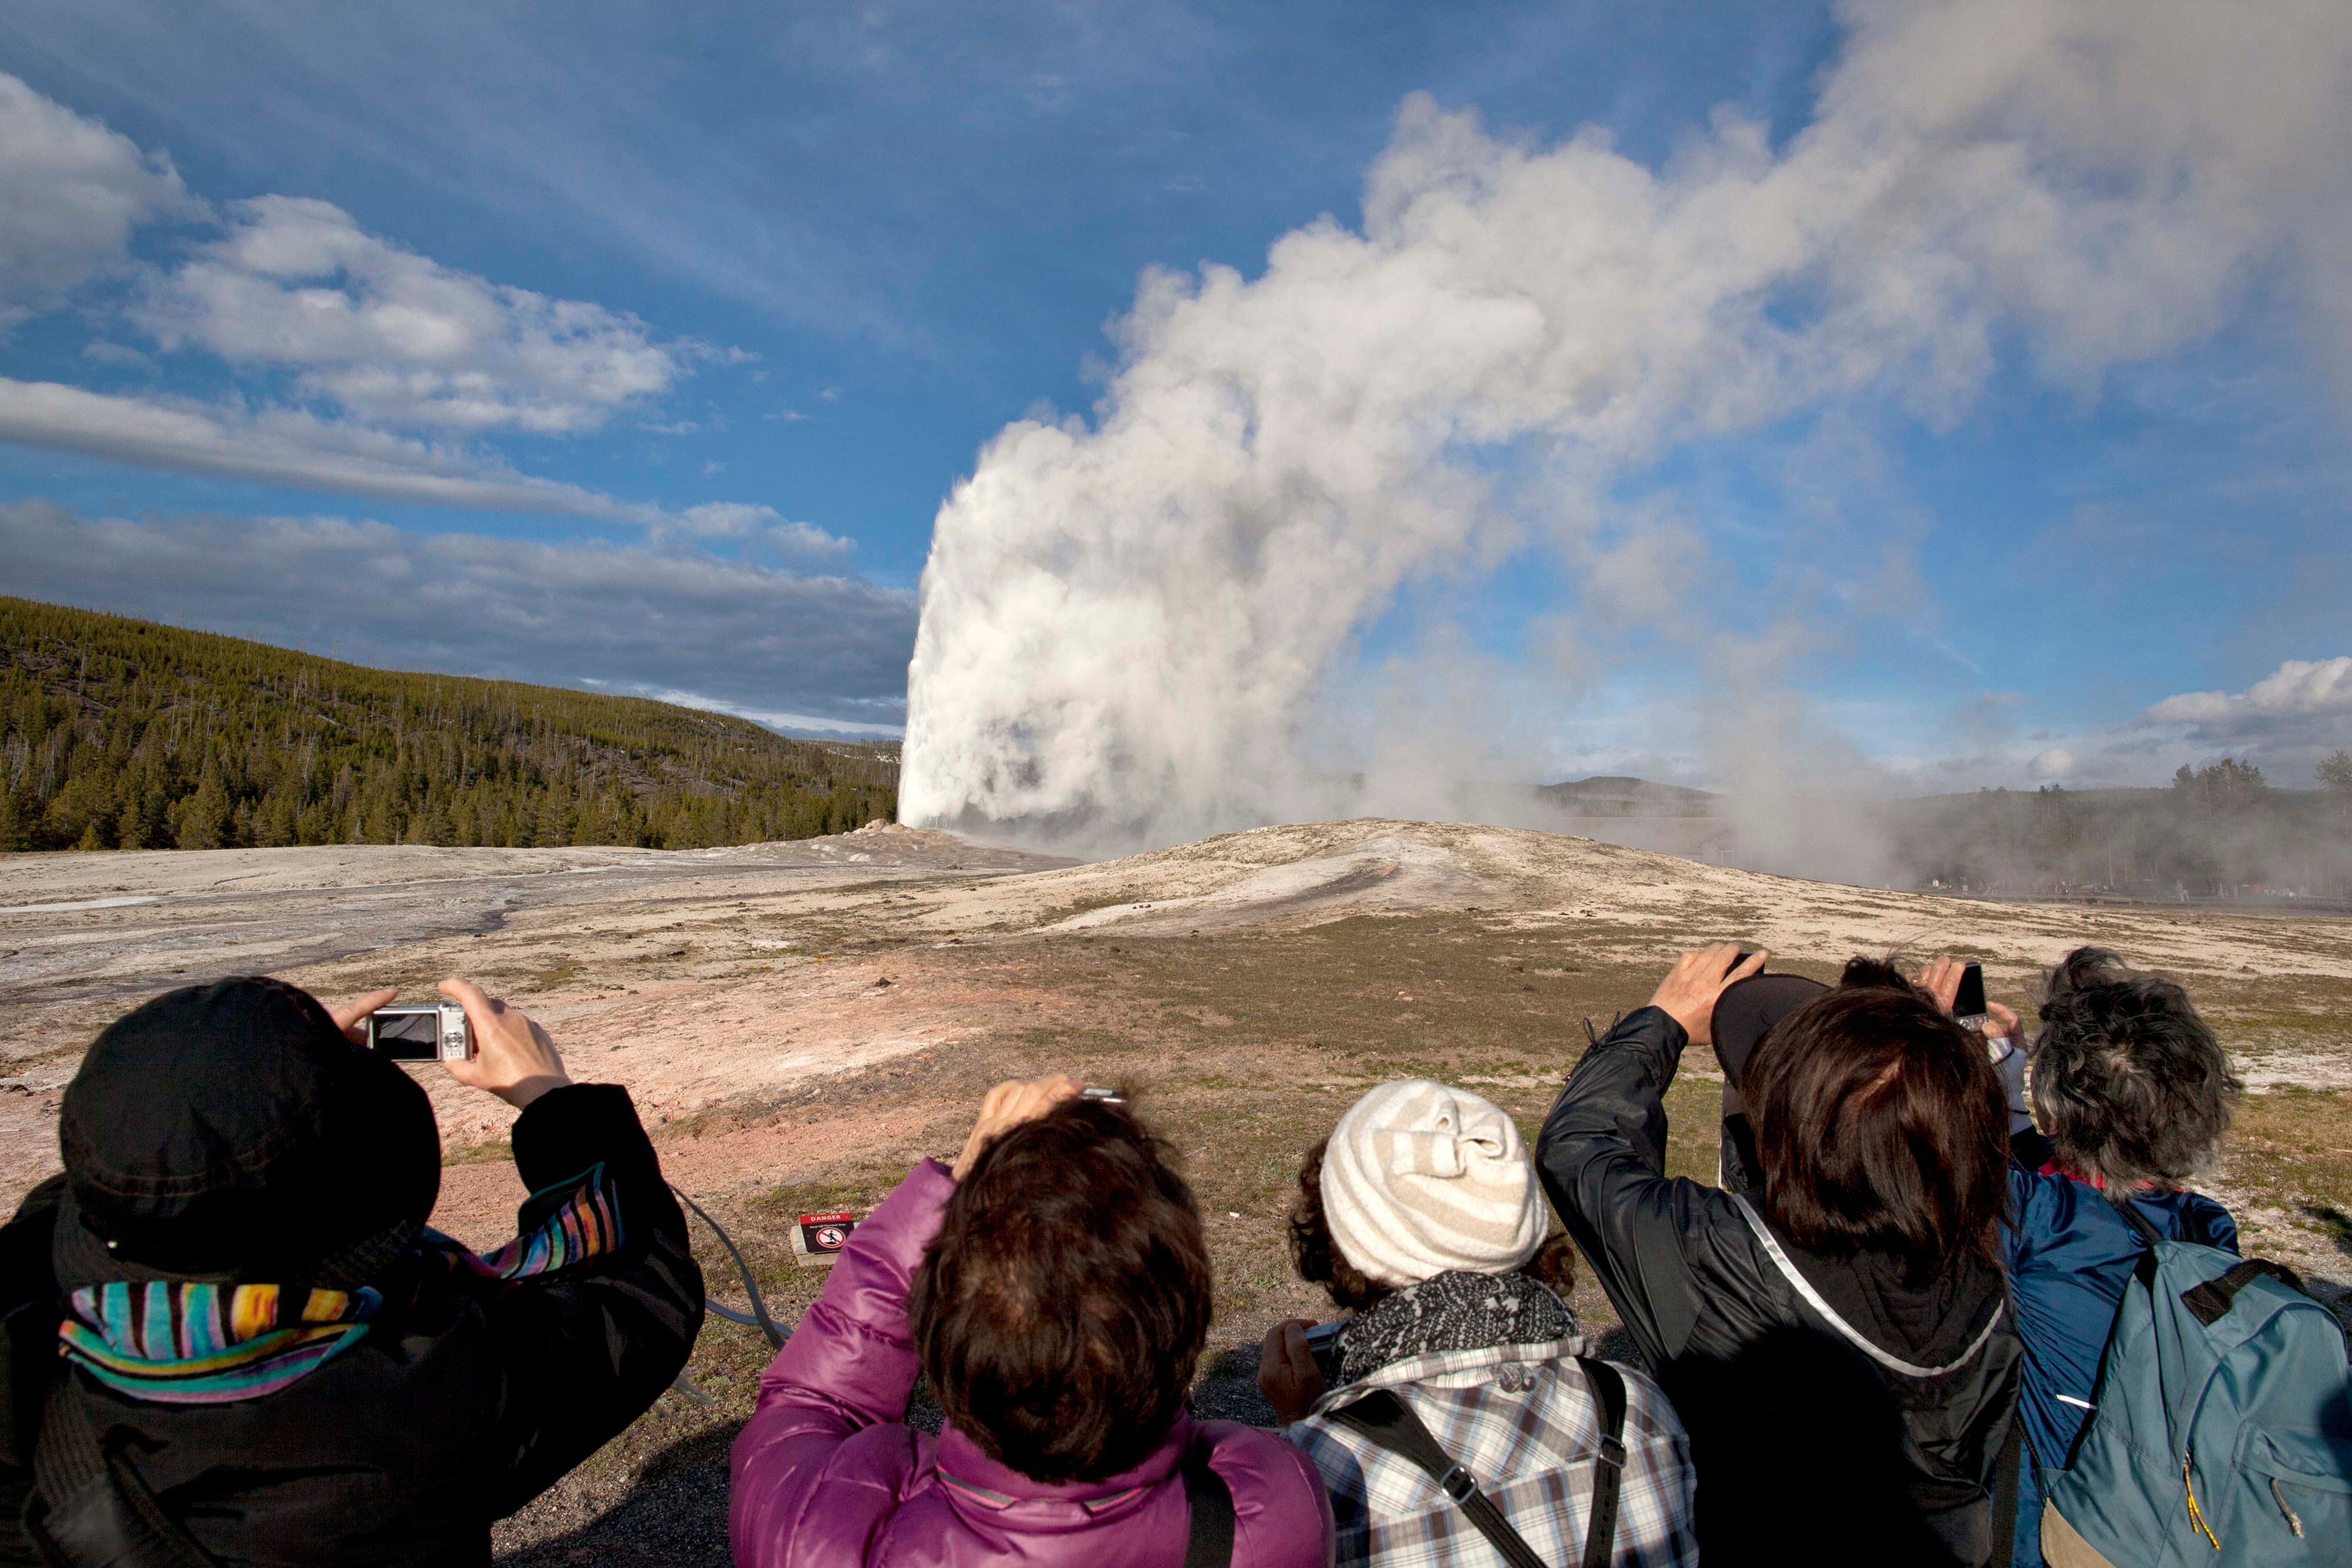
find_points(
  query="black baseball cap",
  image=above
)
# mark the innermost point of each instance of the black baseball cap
(1746, 1012)
(232, 1129)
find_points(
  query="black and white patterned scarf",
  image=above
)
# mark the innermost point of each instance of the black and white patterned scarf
(1453, 1312)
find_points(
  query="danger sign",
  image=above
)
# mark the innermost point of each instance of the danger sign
(825, 1233)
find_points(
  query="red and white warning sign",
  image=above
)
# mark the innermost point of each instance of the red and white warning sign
(822, 1235)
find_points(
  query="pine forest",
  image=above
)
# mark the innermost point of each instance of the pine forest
(125, 735)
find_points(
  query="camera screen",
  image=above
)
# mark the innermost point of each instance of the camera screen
(1970, 1001)
(406, 1036)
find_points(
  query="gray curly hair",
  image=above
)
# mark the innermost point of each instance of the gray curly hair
(2128, 1081)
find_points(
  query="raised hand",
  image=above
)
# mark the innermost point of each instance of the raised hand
(1007, 1106)
(513, 1058)
(1688, 991)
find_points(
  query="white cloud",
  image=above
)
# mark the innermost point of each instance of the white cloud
(2057, 762)
(71, 193)
(745, 638)
(793, 723)
(375, 337)
(283, 447)
(2298, 695)
(291, 447)
(397, 338)
(734, 519)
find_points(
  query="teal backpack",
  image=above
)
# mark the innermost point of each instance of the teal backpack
(2222, 1427)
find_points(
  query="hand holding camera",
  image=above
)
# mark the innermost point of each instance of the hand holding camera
(481, 1040)
(1958, 989)
(1010, 1104)
(1289, 1374)
(1688, 992)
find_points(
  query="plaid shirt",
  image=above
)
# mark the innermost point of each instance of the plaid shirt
(1520, 1420)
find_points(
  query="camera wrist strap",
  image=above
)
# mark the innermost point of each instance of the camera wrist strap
(757, 1318)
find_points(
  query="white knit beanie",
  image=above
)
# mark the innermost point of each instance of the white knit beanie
(1419, 1178)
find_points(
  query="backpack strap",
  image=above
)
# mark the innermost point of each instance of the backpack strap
(1600, 1530)
(1382, 1418)
(2140, 1223)
(89, 1503)
(2211, 1301)
(1387, 1422)
(1209, 1538)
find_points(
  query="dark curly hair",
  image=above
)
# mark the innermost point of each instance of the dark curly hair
(1060, 1311)
(2128, 1081)
(1318, 1260)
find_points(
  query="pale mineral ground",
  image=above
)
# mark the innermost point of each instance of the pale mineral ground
(798, 1022)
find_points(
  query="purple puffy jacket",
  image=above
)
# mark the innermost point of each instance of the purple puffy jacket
(825, 1474)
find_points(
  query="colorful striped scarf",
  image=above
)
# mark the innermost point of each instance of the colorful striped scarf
(183, 1343)
(564, 1224)
(200, 1342)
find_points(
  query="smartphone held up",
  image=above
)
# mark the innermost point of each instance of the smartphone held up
(1968, 1003)
(421, 1032)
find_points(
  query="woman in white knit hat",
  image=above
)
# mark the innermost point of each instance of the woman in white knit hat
(1466, 1419)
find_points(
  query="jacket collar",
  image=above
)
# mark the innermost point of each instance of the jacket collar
(979, 1485)
(1448, 1364)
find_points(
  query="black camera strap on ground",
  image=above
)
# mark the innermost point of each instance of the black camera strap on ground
(1382, 1418)
(757, 1318)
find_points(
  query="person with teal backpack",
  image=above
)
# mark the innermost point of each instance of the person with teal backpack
(2180, 1404)
(2223, 1433)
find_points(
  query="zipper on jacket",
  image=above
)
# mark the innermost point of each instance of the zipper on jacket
(2294, 1520)
(2196, 1517)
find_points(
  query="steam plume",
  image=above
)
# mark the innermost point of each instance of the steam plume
(1127, 626)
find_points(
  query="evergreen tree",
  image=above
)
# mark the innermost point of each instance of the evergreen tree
(139, 736)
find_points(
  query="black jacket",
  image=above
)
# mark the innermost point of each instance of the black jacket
(465, 1398)
(1807, 1449)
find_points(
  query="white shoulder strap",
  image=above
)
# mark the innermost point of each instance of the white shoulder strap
(1851, 1335)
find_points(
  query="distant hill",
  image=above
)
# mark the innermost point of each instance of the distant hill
(119, 733)
(1612, 794)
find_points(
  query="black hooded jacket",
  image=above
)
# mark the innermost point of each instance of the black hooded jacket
(467, 1398)
(1808, 1448)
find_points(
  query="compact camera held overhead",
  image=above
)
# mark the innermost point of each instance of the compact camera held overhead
(421, 1032)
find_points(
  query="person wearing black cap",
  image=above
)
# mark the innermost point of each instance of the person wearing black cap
(228, 1336)
(1830, 1322)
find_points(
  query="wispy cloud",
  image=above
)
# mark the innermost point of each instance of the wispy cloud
(748, 638)
(382, 368)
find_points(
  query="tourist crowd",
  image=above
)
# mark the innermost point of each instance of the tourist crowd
(1951, 1300)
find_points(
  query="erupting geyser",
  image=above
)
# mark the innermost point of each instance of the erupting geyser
(1125, 624)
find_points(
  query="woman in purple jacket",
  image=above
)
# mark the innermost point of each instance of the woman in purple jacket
(1054, 1288)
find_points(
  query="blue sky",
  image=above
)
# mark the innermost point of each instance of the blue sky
(706, 309)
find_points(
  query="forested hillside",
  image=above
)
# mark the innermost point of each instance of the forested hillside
(2222, 830)
(118, 733)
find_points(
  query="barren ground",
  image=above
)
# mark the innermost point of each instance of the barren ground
(798, 1022)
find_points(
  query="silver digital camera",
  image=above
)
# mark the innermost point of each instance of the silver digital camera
(420, 1032)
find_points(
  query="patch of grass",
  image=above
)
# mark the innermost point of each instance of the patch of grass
(784, 1202)
(2292, 1149)
(491, 1153)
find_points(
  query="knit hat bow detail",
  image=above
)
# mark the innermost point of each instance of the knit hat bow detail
(1419, 1178)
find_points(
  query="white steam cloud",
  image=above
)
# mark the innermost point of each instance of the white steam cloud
(1127, 626)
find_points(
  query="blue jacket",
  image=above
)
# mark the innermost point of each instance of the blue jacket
(2070, 1256)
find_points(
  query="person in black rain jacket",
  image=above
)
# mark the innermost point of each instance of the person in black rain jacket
(227, 1335)
(1837, 1340)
